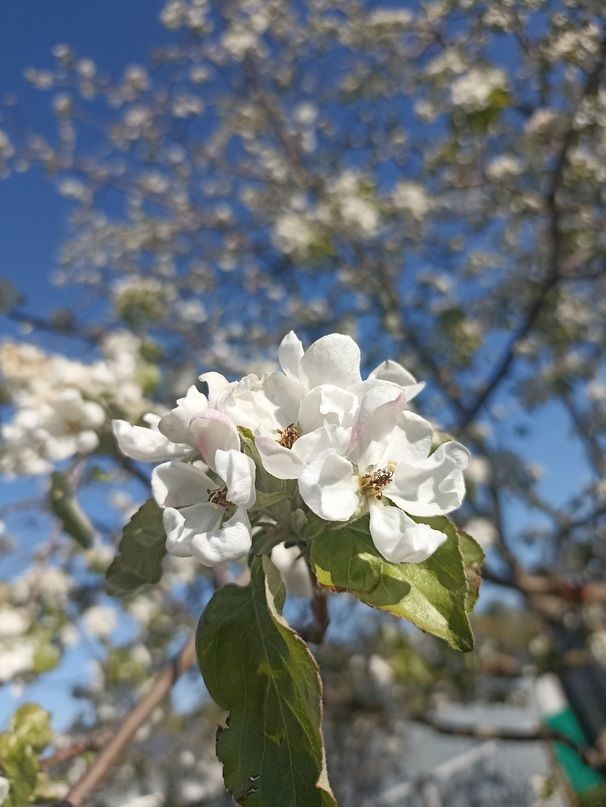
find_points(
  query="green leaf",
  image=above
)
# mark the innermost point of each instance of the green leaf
(140, 554)
(29, 733)
(65, 506)
(473, 559)
(264, 501)
(46, 657)
(258, 669)
(431, 594)
(275, 497)
(31, 724)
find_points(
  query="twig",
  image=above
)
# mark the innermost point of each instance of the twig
(590, 756)
(110, 753)
(535, 584)
(61, 328)
(139, 714)
(554, 267)
(315, 630)
(90, 742)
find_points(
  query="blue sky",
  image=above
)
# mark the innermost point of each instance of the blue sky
(113, 33)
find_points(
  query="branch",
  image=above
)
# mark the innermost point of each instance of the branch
(535, 584)
(314, 631)
(554, 267)
(139, 714)
(142, 711)
(590, 756)
(59, 326)
(90, 742)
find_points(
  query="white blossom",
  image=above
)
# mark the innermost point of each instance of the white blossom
(100, 620)
(389, 463)
(473, 90)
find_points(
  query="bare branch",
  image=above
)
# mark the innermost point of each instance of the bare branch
(554, 268)
(590, 756)
(90, 742)
(140, 714)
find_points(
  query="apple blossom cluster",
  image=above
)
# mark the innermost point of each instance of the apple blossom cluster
(60, 404)
(351, 445)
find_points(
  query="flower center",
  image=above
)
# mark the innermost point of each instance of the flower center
(372, 484)
(288, 437)
(218, 496)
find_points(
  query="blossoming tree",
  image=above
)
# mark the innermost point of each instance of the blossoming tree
(428, 180)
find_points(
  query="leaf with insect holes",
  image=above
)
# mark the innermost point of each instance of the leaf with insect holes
(258, 669)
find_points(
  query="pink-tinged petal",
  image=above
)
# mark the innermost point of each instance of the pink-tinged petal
(432, 487)
(182, 526)
(329, 487)
(333, 359)
(230, 542)
(212, 431)
(290, 354)
(175, 424)
(146, 445)
(327, 404)
(179, 484)
(218, 386)
(400, 539)
(391, 435)
(238, 471)
(278, 460)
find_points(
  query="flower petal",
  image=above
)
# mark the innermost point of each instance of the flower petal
(327, 404)
(175, 424)
(400, 539)
(213, 430)
(247, 404)
(333, 359)
(329, 487)
(146, 445)
(389, 434)
(281, 462)
(284, 396)
(230, 542)
(238, 471)
(183, 525)
(179, 484)
(290, 354)
(218, 387)
(311, 445)
(390, 370)
(432, 487)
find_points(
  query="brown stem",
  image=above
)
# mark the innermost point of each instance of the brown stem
(139, 714)
(536, 584)
(110, 753)
(314, 631)
(590, 756)
(554, 267)
(90, 742)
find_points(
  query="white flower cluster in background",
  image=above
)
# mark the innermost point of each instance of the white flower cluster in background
(351, 444)
(59, 403)
(473, 90)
